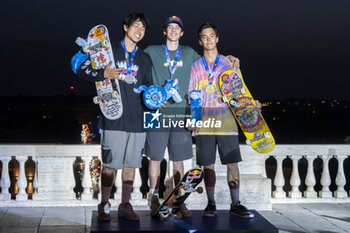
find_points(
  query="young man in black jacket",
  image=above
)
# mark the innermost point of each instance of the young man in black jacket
(123, 139)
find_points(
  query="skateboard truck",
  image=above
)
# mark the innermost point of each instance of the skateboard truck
(257, 137)
(104, 97)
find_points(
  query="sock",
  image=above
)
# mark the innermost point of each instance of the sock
(210, 194)
(106, 184)
(154, 191)
(127, 187)
(234, 196)
(106, 192)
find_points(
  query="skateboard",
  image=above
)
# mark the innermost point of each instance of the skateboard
(237, 96)
(154, 96)
(180, 193)
(99, 48)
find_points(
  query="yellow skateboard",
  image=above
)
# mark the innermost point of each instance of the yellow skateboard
(237, 96)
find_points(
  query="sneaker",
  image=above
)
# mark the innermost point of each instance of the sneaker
(154, 205)
(210, 211)
(240, 211)
(125, 211)
(104, 210)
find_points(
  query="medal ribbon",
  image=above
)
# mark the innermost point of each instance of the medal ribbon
(129, 59)
(177, 54)
(211, 73)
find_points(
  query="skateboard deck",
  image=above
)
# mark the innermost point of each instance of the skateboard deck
(99, 48)
(180, 193)
(241, 103)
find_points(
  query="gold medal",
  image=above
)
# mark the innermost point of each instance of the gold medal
(210, 89)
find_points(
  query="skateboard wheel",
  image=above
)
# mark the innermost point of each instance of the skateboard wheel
(104, 43)
(267, 135)
(86, 49)
(248, 142)
(114, 94)
(95, 99)
(243, 91)
(161, 217)
(224, 98)
(180, 192)
(199, 190)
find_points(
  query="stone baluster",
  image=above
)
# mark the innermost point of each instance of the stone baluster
(136, 194)
(295, 179)
(36, 178)
(325, 178)
(279, 179)
(22, 180)
(340, 178)
(86, 182)
(118, 182)
(5, 179)
(310, 180)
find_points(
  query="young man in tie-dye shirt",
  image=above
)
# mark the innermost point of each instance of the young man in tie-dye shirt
(205, 75)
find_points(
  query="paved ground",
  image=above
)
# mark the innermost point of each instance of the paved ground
(286, 217)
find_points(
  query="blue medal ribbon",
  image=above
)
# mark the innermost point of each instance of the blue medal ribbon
(172, 68)
(129, 59)
(206, 66)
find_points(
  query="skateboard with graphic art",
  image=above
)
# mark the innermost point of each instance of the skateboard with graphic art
(186, 186)
(237, 96)
(99, 48)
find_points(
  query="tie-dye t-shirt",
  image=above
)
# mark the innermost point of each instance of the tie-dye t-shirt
(213, 108)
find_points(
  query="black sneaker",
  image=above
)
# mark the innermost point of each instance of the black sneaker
(240, 211)
(210, 211)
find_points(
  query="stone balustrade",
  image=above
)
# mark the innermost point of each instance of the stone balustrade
(310, 153)
(54, 181)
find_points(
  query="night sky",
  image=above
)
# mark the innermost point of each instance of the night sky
(287, 49)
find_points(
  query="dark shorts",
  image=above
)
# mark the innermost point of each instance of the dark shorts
(228, 149)
(179, 143)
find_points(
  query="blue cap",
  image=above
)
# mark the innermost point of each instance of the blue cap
(173, 19)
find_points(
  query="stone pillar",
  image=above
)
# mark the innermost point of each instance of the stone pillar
(310, 180)
(279, 179)
(86, 182)
(5, 179)
(295, 179)
(340, 178)
(325, 178)
(22, 180)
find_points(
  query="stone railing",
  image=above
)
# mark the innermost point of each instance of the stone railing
(54, 181)
(310, 153)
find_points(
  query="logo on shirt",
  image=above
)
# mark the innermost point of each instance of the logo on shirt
(178, 64)
(151, 120)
